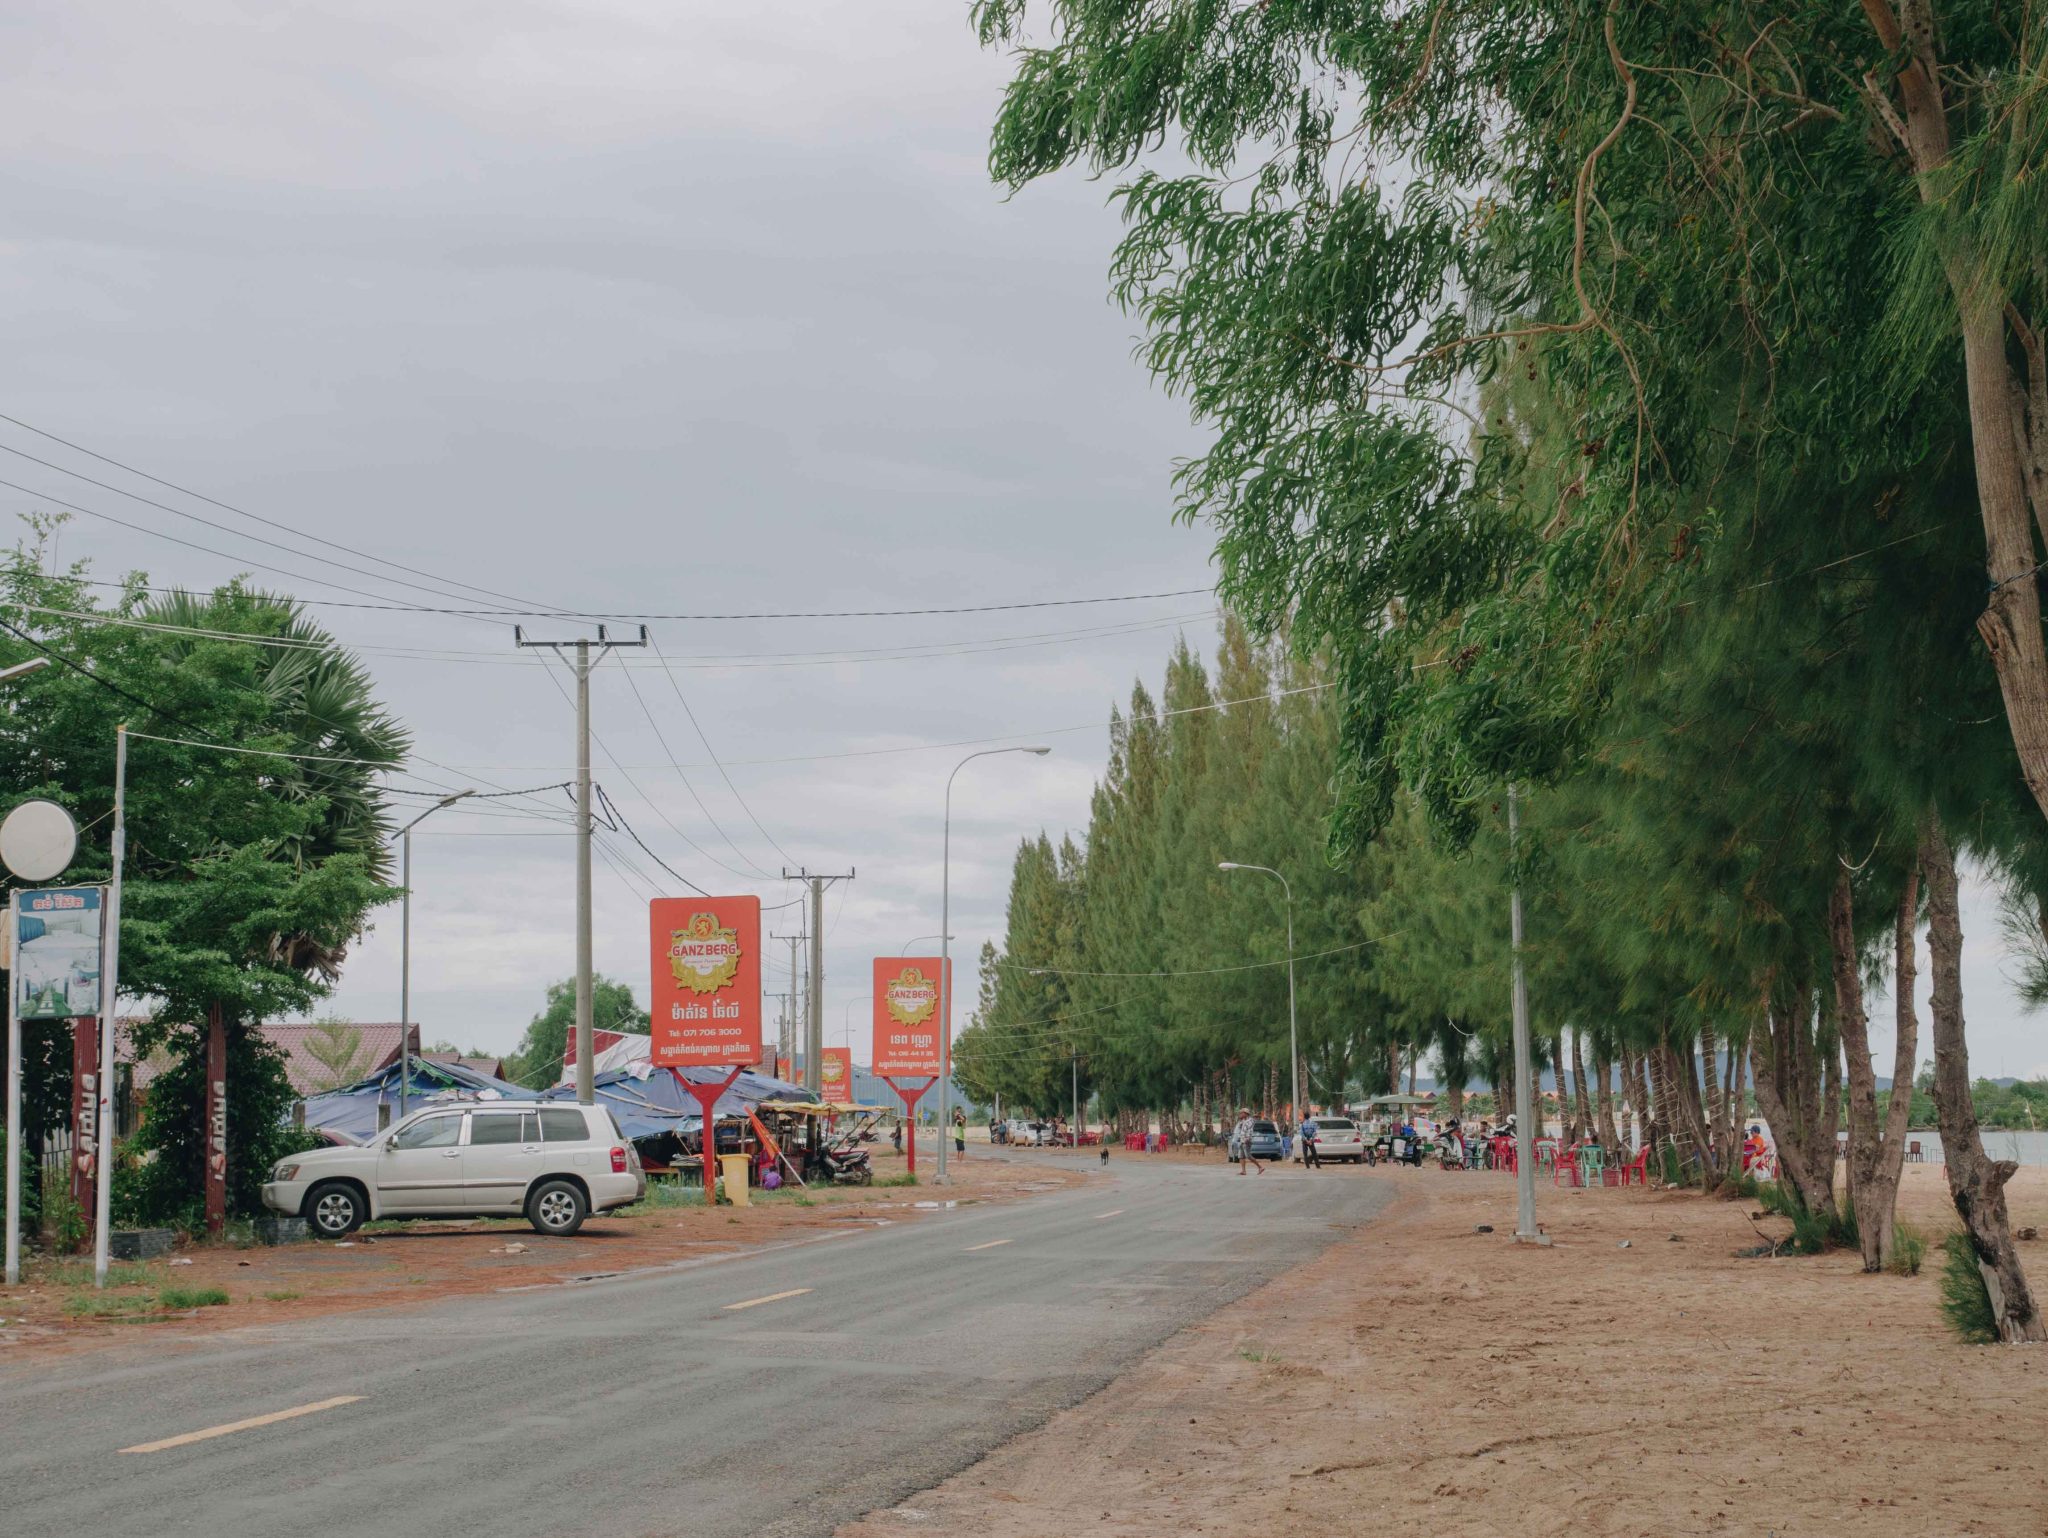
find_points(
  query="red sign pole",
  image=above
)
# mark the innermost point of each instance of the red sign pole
(216, 1122)
(706, 1096)
(910, 1098)
(85, 1109)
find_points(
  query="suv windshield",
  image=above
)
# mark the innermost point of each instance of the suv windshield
(1333, 1123)
(1264, 1126)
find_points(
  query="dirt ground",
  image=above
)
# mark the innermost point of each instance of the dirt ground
(1636, 1378)
(398, 1263)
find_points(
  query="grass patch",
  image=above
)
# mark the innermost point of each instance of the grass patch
(1742, 1184)
(1254, 1354)
(120, 1273)
(174, 1299)
(904, 1179)
(107, 1305)
(1965, 1303)
(282, 1295)
(1812, 1232)
(1909, 1249)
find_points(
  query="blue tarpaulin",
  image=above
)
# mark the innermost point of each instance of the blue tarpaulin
(351, 1112)
(647, 1102)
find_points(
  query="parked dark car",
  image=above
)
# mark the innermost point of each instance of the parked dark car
(1262, 1142)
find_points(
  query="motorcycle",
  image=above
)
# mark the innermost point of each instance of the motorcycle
(847, 1165)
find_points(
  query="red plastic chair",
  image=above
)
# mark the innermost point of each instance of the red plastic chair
(1565, 1172)
(1634, 1171)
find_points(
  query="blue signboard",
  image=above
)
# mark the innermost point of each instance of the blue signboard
(57, 952)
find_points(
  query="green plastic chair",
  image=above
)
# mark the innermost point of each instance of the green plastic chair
(1592, 1160)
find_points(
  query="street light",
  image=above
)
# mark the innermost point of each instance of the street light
(921, 939)
(946, 952)
(405, 954)
(20, 668)
(1293, 1039)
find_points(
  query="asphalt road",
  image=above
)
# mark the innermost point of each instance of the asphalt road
(649, 1403)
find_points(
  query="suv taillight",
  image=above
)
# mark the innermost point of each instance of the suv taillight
(618, 1161)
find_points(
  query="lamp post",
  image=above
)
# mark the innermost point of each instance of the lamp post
(405, 954)
(920, 940)
(1293, 1038)
(946, 953)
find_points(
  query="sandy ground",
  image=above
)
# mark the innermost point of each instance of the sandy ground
(1636, 1378)
(413, 1263)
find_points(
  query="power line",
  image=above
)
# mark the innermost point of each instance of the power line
(673, 684)
(613, 812)
(661, 738)
(138, 528)
(700, 662)
(658, 811)
(592, 614)
(211, 523)
(229, 507)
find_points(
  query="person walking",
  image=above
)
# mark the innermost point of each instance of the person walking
(1241, 1134)
(959, 1131)
(1309, 1134)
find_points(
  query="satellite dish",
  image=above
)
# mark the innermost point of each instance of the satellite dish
(37, 840)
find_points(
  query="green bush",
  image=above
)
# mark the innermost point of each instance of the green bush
(1965, 1302)
(63, 1218)
(905, 1179)
(1909, 1248)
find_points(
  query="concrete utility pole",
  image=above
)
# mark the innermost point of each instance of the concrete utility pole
(1526, 1231)
(794, 1010)
(586, 1089)
(814, 1005)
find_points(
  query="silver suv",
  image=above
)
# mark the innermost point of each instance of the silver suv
(557, 1164)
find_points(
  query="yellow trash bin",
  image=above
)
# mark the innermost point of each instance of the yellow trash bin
(732, 1173)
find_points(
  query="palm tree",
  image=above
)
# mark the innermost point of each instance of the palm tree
(319, 705)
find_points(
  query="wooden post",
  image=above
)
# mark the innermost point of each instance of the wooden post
(216, 1121)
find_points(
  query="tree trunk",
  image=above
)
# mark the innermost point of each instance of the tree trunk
(1733, 1105)
(1603, 1100)
(1685, 1096)
(1565, 1128)
(1873, 1216)
(1782, 1068)
(1582, 1112)
(2011, 622)
(1636, 1078)
(1892, 1146)
(1661, 1119)
(1976, 1182)
(1710, 1065)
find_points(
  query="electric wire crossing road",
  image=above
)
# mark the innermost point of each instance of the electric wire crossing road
(771, 1393)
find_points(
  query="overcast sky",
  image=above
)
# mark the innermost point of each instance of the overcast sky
(624, 306)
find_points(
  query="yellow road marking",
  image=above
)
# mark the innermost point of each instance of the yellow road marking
(1114, 1212)
(248, 1425)
(773, 1297)
(989, 1246)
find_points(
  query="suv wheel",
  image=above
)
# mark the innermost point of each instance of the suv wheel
(556, 1208)
(334, 1211)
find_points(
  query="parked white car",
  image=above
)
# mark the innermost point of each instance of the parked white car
(1339, 1137)
(556, 1164)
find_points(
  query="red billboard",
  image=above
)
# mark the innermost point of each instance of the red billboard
(907, 1015)
(835, 1076)
(705, 1002)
